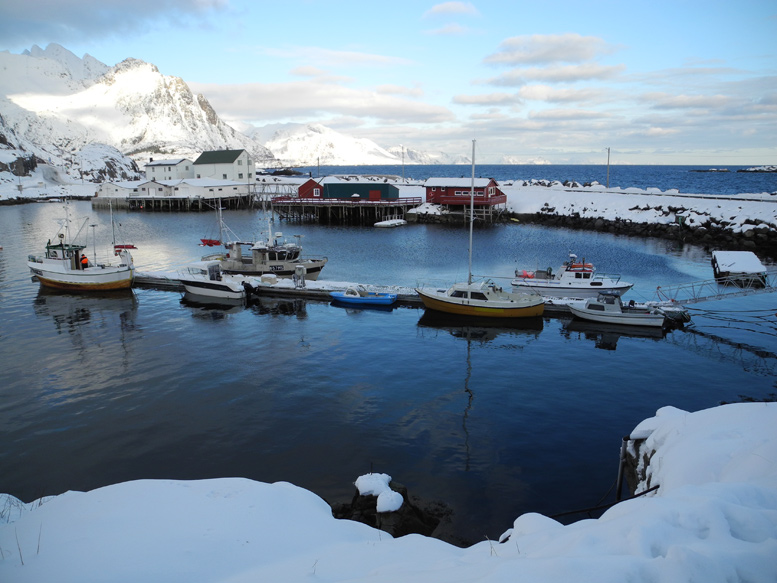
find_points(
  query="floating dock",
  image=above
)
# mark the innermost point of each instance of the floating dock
(316, 290)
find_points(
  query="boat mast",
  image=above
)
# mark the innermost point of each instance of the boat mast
(471, 214)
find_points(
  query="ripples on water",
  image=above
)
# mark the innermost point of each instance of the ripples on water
(494, 421)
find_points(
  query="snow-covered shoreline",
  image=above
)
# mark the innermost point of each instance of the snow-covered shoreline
(713, 518)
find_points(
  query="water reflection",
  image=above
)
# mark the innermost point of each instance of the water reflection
(354, 309)
(206, 308)
(606, 336)
(480, 329)
(279, 307)
(71, 311)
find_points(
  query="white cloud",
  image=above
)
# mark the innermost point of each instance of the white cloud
(554, 48)
(667, 101)
(557, 74)
(551, 94)
(306, 100)
(399, 90)
(452, 29)
(489, 99)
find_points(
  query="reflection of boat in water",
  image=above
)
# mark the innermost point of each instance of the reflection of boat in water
(480, 328)
(357, 294)
(606, 336)
(575, 279)
(72, 311)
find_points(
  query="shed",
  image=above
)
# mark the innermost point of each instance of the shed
(456, 191)
(738, 267)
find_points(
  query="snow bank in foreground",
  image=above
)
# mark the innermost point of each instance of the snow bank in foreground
(713, 518)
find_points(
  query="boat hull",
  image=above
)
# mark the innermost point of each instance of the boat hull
(92, 279)
(213, 289)
(558, 289)
(374, 299)
(441, 303)
(623, 318)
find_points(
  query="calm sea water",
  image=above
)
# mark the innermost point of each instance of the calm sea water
(686, 179)
(492, 421)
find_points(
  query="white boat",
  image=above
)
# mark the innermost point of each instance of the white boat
(388, 223)
(481, 298)
(205, 279)
(575, 279)
(65, 266)
(610, 309)
(272, 255)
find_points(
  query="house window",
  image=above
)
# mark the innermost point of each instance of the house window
(159, 189)
(224, 176)
(187, 168)
(239, 162)
(153, 169)
(316, 192)
(198, 176)
(240, 175)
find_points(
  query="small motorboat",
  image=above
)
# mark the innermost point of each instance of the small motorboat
(205, 278)
(359, 295)
(575, 279)
(609, 309)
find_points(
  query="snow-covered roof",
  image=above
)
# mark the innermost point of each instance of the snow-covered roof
(173, 162)
(457, 182)
(738, 261)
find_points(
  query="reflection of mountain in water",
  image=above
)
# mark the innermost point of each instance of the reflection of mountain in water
(480, 329)
(606, 336)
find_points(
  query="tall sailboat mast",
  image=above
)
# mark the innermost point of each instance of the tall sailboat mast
(471, 213)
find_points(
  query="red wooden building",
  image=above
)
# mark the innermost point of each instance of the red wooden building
(456, 191)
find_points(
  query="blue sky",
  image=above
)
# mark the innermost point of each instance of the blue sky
(680, 82)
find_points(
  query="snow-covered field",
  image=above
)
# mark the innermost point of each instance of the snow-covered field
(712, 519)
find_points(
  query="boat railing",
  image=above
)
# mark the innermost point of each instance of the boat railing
(34, 259)
(616, 277)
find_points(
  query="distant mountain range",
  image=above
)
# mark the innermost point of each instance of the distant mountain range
(99, 122)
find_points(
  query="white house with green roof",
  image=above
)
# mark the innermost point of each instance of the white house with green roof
(235, 165)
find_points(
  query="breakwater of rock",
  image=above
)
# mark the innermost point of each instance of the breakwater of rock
(761, 238)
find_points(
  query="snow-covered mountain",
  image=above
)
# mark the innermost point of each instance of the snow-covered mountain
(53, 104)
(93, 121)
(311, 144)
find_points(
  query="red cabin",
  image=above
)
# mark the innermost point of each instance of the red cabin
(456, 191)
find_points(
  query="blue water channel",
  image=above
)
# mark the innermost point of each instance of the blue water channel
(490, 421)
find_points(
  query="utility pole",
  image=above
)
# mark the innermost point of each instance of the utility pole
(608, 167)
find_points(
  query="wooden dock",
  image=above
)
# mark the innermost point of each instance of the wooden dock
(312, 290)
(343, 211)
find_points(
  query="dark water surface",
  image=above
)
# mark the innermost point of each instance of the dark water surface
(492, 421)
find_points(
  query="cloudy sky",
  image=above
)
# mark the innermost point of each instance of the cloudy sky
(665, 82)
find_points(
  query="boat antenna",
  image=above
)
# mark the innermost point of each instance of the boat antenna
(471, 213)
(94, 243)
